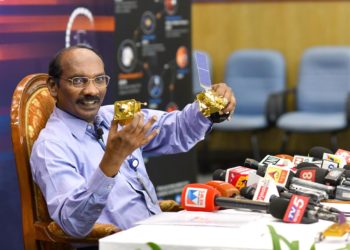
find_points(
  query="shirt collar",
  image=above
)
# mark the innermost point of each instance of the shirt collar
(78, 127)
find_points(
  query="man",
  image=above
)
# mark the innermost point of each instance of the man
(90, 168)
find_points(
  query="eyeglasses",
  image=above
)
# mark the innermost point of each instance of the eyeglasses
(83, 81)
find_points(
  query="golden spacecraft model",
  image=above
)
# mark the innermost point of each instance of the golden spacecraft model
(125, 110)
(210, 103)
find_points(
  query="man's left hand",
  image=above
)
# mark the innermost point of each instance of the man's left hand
(224, 91)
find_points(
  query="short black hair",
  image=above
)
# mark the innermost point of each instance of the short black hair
(55, 67)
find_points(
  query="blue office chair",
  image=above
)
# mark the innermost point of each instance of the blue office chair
(321, 95)
(257, 77)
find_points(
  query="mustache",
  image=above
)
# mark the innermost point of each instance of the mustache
(88, 98)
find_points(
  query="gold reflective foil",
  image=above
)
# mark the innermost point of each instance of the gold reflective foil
(125, 110)
(210, 103)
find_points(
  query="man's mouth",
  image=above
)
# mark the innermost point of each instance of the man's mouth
(89, 101)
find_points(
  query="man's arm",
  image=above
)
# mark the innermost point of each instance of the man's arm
(179, 131)
(73, 202)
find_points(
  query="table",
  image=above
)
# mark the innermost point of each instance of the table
(224, 229)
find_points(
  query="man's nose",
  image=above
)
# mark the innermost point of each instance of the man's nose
(90, 87)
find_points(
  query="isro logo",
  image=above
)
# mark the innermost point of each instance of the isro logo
(195, 197)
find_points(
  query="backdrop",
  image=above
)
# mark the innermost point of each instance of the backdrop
(145, 45)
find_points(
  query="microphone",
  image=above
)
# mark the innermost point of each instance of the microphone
(338, 161)
(225, 189)
(201, 197)
(345, 154)
(298, 159)
(299, 184)
(318, 151)
(253, 164)
(97, 124)
(297, 210)
(285, 156)
(305, 164)
(314, 174)
(237, 176)
(303, 175)
(248, 192)
(99, 133)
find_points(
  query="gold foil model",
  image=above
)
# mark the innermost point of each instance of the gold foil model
(210, 103)
(125, 110)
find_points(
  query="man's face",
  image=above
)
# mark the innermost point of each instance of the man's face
(84, 102)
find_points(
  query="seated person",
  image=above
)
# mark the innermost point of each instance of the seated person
(90, 168)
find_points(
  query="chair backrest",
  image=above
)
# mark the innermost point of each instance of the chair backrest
(254, 74)
(31, 107)
(324, 79)
(196, 88)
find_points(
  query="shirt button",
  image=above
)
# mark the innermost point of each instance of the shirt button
(109, 186)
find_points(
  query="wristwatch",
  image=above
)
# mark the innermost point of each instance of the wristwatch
(217, 118)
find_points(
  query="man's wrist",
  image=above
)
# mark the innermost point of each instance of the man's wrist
(217, 117)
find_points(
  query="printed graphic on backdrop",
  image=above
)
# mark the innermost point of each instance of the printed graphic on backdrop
(153, 40)
(31, 32)
(153, 52)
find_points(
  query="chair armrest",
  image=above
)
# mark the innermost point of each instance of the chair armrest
(347, 110)
(276, 105)
(97, 232)
(169, 206)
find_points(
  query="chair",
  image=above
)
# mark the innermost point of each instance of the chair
(257, 77)
(31, 107)
(321, 95)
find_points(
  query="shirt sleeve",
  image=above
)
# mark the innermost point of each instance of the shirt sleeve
(73, 202)
(179, 131)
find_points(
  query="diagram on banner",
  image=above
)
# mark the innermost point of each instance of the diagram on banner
(153, 52)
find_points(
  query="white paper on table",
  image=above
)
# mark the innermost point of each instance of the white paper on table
(223, 218)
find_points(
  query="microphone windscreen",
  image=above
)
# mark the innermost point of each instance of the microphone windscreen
(278, 206)
(226, 189)
(248, 192)
(199, 197)
(346, 167)
(285, 156)
(251, 163)
(219, 175)
(318, 151)
(305, 165)
(314, 174)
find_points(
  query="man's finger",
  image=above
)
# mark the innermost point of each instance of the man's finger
(149, 137)
(132, 126)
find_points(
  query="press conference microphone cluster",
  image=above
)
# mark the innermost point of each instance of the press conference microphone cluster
(202, 197)
(296, 185)
(296, 209)
(249, 191)
(307, 179)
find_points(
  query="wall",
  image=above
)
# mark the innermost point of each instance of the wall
(288, 26)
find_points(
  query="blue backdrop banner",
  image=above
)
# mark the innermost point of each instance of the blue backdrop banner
(31, 32)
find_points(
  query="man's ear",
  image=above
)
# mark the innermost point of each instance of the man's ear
(52, 85)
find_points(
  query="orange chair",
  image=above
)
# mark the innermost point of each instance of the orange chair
(31, 107)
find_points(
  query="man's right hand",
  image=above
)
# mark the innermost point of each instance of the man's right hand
(122, 143)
